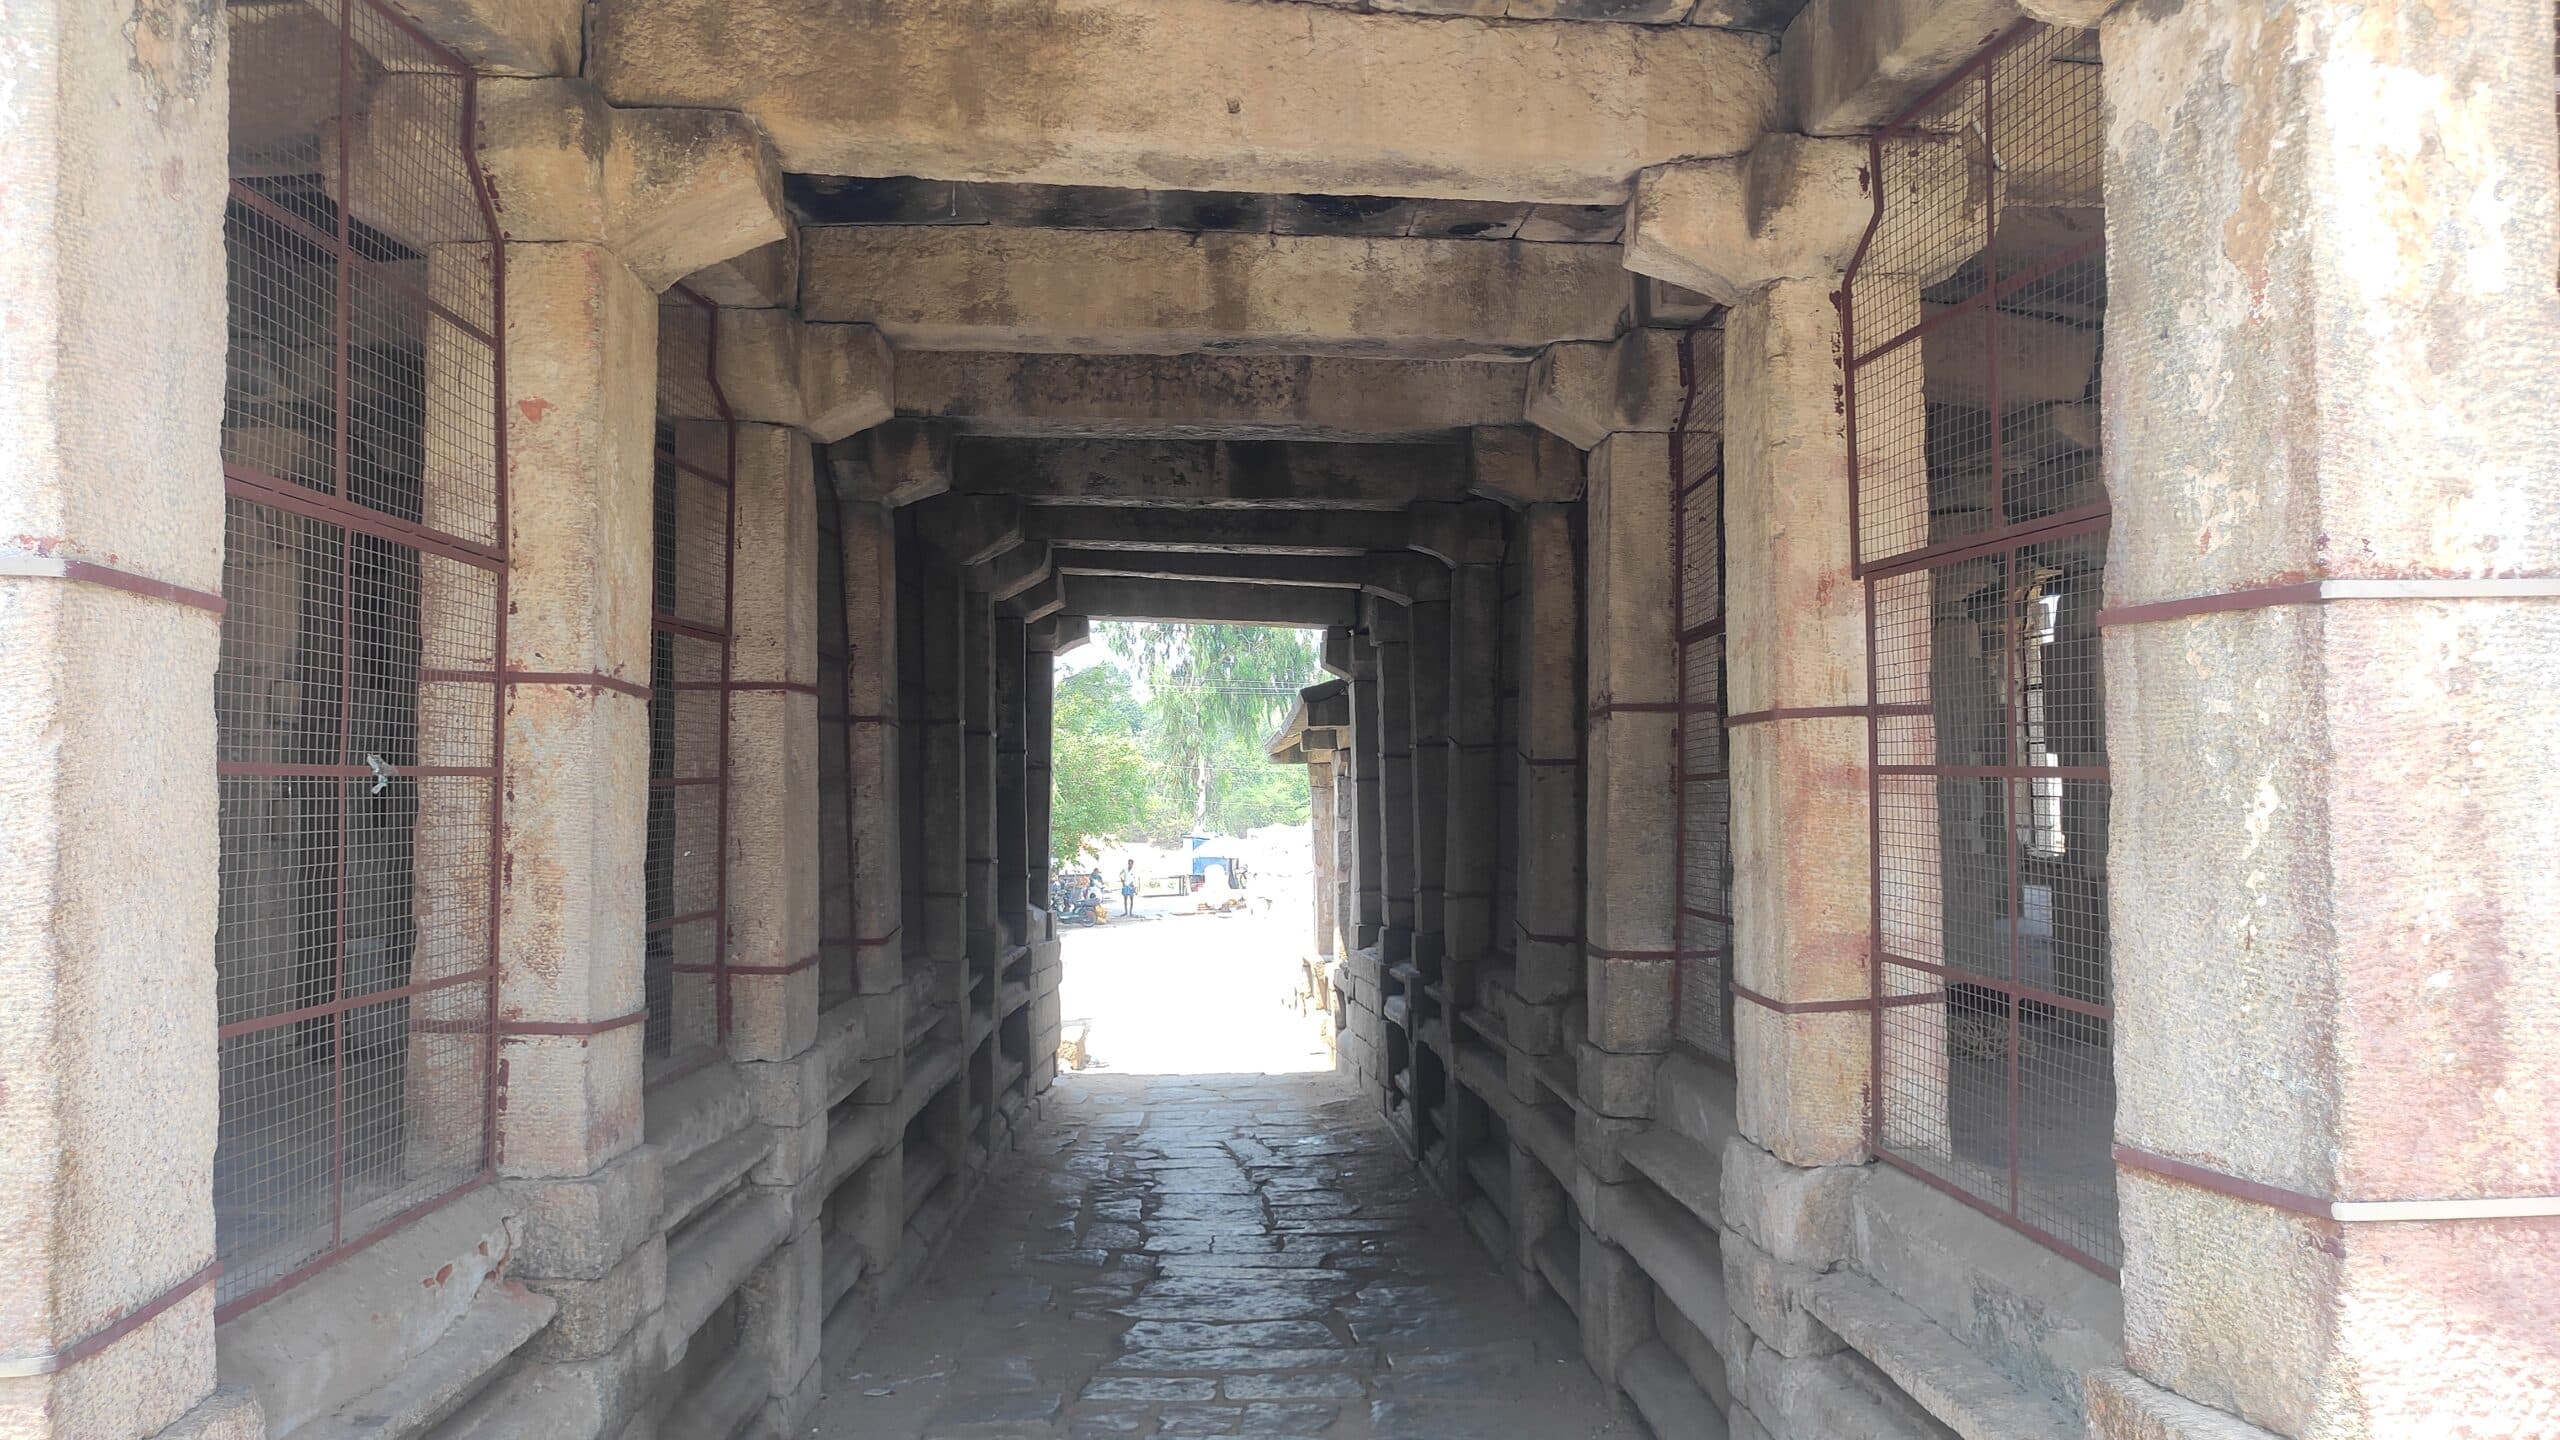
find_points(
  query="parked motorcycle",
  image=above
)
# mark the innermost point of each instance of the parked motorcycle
(1076, 900)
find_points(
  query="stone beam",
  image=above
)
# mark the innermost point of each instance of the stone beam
(827, 380)
(1586, 392)
(971, 529)
(1301, 532)
(959, 287)
(1198, 94)
(1206, 397)
(1265, 474)
(1190, 601)
(1331, 572)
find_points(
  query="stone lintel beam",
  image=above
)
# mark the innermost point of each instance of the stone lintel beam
(827, 380)
(1332, 572)
(1522, 465)
(1300, 532)
(1263, 474)
(1010, 572)
(1199, 94)
(1465, 533)
(897, 462)
(1585, 392)
(1206, 397)
(1793, 209)
(1202, 602)
(669, 191)
(994, 288)
(971, 529)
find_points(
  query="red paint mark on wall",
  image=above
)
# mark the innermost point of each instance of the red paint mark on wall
(535, 408)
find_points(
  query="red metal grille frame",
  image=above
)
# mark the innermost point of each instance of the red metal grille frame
(1702, 804)
(693, 525)
(1980, 520)
(357, 692)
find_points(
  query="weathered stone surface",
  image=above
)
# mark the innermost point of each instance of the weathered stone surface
(982, 288)
(2319, 376)
(765, 278)
(1585, 392)
(1259, 474)
(1116, 598)
(1200, 94)
(1216, 397)
(111, 403)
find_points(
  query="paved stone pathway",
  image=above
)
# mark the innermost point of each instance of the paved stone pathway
(1214, 1255)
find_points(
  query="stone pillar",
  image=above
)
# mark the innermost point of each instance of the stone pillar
(1547, 961)
(580, 339)
(944, 778)
(1013, 890)
(1796, 674)
(978, 734)
(1469, 854)
(2330, 451)
(1039, 702)
(1366, 915)
(871, 680)
(772, 940)
(111, 380)
(1631, 772)
(1390, 636)
(1321, 832)
(1427, 687)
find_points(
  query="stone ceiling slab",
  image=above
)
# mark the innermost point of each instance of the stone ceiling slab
(1198, 94)
(1161, 292)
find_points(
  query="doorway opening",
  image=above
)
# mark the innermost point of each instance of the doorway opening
(1181, 872)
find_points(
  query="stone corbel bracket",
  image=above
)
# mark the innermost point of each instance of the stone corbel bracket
(1795, 208)
(668, 191)
(1523, 465)
(1582, 392)
(897, 462)
(828, 380)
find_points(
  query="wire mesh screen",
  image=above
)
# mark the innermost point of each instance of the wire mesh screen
(686, 890)
(1704, 936)
(1975, 315)
(356, 694)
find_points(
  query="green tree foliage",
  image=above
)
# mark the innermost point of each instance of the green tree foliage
(1101, 781)
(1189, 756)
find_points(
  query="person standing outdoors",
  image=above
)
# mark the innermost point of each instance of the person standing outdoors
(1129, 888)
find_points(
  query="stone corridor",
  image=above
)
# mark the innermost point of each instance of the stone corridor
(1213, 1255)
